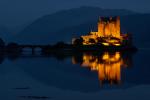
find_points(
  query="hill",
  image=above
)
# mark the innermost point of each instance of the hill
(63, 25)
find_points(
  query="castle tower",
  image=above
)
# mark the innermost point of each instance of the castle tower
(100, 27)
(109, 26)
(118, 27)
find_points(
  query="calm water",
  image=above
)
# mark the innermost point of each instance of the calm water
(85, 72)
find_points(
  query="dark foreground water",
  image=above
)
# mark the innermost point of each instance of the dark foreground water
(82, 72)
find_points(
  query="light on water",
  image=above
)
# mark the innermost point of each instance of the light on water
(107, 65)
(81, 71)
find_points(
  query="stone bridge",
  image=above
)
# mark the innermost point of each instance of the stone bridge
(33, 47)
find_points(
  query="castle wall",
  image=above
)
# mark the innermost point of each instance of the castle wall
(107, 26)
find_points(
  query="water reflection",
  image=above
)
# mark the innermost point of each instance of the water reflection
(92, 68)
(107, 65)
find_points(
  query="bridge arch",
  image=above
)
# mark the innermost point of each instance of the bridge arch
(32, 48)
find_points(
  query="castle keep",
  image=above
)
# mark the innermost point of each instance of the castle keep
(109, 33)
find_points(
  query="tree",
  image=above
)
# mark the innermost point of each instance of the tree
(13, 48)
(78, 41)
(12, 45)
(60, 44)
(2, 43)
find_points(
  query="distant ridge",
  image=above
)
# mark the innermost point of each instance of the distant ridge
(65, 24)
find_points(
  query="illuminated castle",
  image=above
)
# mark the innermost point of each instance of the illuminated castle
(108, 33)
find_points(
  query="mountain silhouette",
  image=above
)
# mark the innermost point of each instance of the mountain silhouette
(63, 25)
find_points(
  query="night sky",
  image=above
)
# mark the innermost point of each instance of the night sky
(17, 12)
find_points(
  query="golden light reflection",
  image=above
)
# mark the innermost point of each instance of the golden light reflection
(108, 65)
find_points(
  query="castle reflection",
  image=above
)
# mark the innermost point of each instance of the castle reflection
(107, 65)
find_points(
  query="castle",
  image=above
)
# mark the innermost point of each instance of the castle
(109, 33)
